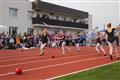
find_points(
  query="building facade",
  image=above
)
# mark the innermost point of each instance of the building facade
(57, 18)
(19, 16)
(15, 16)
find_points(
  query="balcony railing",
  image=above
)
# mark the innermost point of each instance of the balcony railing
(59, 23)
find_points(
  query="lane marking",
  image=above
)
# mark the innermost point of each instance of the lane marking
(20, 55)
(54, 65)
(38, 57)
(67, 57)
(81, 70)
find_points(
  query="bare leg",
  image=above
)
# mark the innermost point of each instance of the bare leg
(64, 47)
(42, 47)
(77, 46)
(96, 47)
(103, 50)
(68, 49)
(111, 50)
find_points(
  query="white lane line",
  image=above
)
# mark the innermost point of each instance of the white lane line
(22, 55)
(54, 65)
(7, 74)
(67, 57)
(34, 57)
(81, 70)
(23, 58)
(12, 55)
(35, 49)
(18, 54)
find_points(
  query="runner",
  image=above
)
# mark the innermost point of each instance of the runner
(44, 41)
(76, 38)
(63, 42)
(99, 44)
(111, 40)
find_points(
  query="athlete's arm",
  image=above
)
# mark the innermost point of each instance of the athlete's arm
(102, 34)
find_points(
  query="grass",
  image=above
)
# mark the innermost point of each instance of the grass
(108, 72)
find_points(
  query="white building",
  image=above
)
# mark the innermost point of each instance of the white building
(15, 16)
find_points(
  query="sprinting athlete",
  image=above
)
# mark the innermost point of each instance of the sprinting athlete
(111, 40)
(44, 41)
(76, 39)
(99, 44)
(63, 42)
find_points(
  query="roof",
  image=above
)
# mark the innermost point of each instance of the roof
(60, 10)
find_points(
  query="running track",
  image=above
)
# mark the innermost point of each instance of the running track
(37, 67)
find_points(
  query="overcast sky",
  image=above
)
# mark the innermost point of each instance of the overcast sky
(103, 11)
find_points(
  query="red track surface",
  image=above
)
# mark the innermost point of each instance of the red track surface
(37, 67)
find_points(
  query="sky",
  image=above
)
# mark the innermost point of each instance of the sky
(102, 11)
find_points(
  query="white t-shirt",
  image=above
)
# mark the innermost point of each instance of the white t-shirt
(11, 40)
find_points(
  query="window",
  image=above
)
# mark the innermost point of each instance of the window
(51, 14)
(13, 12)
(57, 17)
(30, 31)
(13, 30)
(64, 18)
(74, 20)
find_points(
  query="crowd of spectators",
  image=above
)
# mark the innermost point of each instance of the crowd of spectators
(10, 41)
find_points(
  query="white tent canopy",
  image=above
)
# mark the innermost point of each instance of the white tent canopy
(3, 28)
